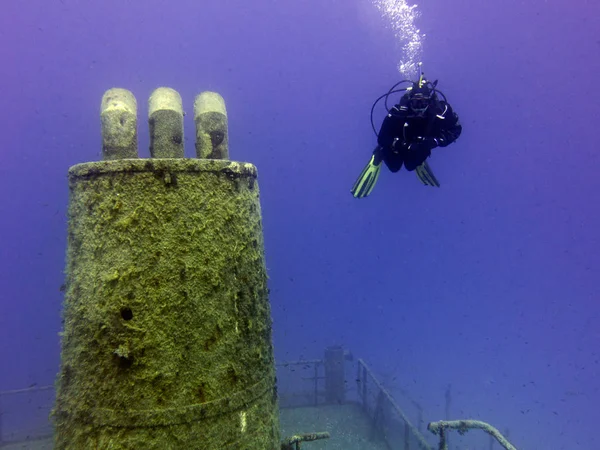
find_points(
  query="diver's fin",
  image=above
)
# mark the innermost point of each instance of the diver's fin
(426, 175)
(367, 179)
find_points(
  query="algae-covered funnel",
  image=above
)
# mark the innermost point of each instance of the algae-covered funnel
(167, 329)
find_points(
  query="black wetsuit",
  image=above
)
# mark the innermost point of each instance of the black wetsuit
(409, 139)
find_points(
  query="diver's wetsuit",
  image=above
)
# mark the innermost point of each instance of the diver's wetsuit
(407, 138)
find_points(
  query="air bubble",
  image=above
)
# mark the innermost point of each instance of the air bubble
(402, 19)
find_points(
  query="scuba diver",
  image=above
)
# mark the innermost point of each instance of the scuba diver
(420, 122)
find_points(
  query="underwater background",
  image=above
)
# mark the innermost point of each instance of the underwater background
(488, 284)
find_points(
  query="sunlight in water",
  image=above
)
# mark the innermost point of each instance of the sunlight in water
(402, 19)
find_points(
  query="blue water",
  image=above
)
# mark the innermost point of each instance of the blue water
(489, 283)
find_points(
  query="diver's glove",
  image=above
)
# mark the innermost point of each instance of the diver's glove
(428, 141)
